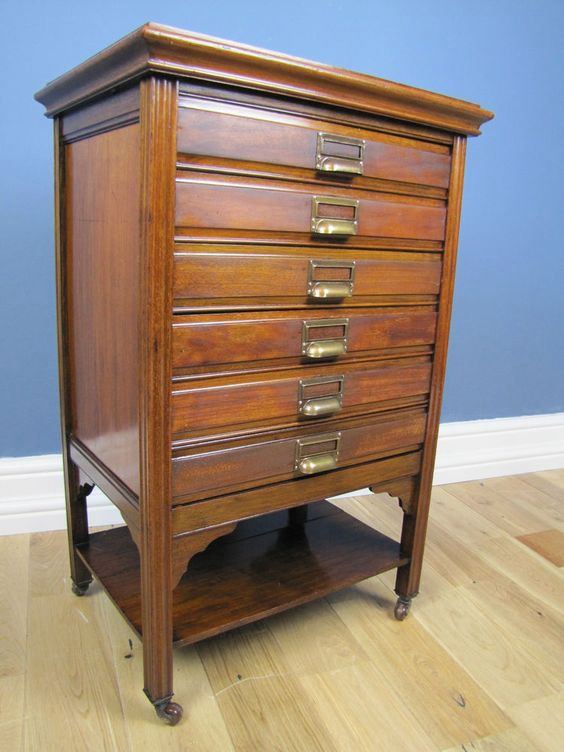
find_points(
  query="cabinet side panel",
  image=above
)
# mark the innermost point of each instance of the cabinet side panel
(102, 241)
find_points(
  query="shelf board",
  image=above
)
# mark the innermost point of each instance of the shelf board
(263, 567)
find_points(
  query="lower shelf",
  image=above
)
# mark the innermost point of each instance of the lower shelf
(263, 567)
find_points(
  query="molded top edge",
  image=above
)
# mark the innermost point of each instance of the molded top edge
(165, 49)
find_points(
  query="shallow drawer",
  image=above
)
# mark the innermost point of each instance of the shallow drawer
(305, 336)
(212, 469)
(300, 277)
(240, 133)
(302, 395)
(262, 206)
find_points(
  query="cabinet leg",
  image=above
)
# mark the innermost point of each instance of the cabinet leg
(156, 605)
(297, 516)
(167, 710)
(402, 607)
(77, 526)
(412, 544)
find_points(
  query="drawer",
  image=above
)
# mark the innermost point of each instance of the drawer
(306, 395)
(311, 336)
(208, 205)
(231, 466)
(243, 276)
(235, 132)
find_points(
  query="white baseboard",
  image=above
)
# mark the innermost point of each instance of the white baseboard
(32, 495)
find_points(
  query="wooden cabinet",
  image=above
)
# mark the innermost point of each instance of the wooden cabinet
(255, 260)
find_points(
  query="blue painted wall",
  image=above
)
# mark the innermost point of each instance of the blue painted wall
(507, 347)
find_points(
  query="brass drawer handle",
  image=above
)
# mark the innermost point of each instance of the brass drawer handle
(327, 219)
(339, 154)
(317, 454)
(324, 347)
(320, 396)
(330, 289)
(318, 464)
(320, 406)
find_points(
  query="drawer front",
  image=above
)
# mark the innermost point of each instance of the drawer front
(305, 336)
(301, 277)
(209, 205)
(304, 395)
(212, 470)
(240, 133)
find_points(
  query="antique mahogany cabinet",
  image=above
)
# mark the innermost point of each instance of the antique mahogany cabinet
(255, 264)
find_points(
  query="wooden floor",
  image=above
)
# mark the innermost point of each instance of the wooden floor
(478, 665)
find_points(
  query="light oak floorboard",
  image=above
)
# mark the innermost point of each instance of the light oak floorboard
(476, 667)
(203, 727)
(543, 721)
(512, 740)
(11, 712)
(546, 499)
(549, 544)
(550, 482)
(419, 668)
(14, 578)
(503, 511)
(490, 654)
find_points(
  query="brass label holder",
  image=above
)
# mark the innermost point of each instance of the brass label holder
(326, 221)
(330, 289)
(309, 462)
(339, 154)
(320, 405)
(324, 347)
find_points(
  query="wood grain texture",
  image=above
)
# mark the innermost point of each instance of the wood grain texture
(415, 525)
(272, 459)
(327, 553)
(240, 338)
(114, 111)
(283, 495)
(233, 132)
(278, 108)
(260, 206)
(102, 234)
(157, 48)
(547, 543)
(158, 149)
(249, 277)
(234, 207)
(273, 399)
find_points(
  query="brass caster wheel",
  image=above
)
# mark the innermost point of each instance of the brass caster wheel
(402, 608)
(171, 712)
(80, 589)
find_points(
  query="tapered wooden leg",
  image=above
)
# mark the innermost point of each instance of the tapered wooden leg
(156, 603)
(77, 525)
(412, 545)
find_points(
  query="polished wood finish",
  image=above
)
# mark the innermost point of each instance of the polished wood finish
(206, 340)
(158, 120)
(233, 132)
(230, 203)
(273, 458)
(328, 552)
(164, 49)
(242, 277)
(102, 257)
(206, 406)
(415, 523)
(221, 358)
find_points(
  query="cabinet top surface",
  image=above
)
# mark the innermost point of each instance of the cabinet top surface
(154, 48)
